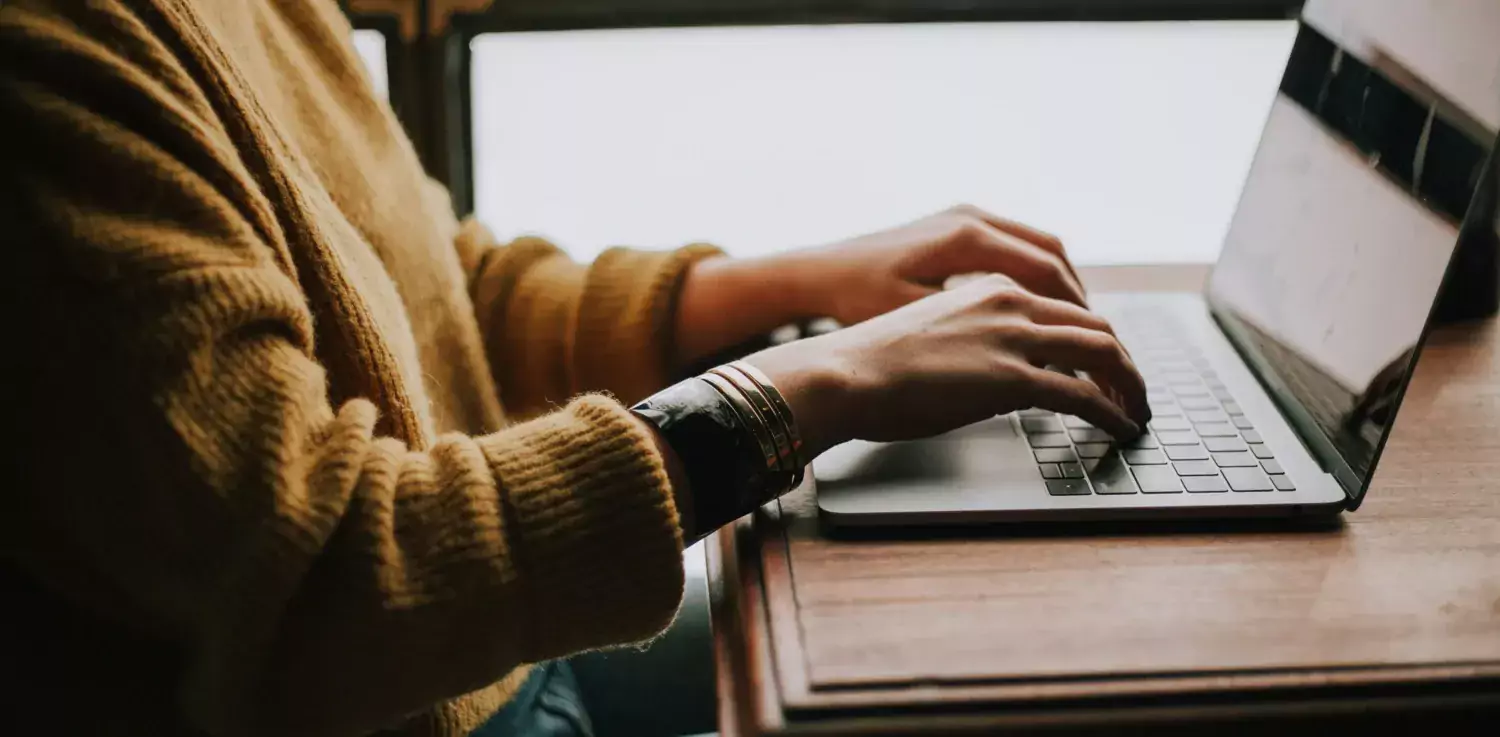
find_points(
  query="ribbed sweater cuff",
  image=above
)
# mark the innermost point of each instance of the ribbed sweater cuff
(593, 526)
(625, 324)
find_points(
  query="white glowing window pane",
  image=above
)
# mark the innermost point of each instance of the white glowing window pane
(1130, 140)
(371, 48)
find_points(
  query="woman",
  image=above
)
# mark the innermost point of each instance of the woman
(301, 454)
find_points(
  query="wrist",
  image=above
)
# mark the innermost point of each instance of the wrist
(726, 302)
(717, 449)
(803, 281)
(815, 386)
(789, 286)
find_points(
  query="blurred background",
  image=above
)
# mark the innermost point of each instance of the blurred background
(1125, 126)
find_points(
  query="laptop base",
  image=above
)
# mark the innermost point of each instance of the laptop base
(1028, 467)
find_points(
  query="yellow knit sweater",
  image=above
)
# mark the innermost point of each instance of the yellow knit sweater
(260, 481)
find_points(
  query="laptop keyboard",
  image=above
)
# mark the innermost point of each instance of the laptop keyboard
(1199, 441)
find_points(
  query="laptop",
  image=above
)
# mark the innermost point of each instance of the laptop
(1274, 390)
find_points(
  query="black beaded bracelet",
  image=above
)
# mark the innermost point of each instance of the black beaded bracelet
(720, 452)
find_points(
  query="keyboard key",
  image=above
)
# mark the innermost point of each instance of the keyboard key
(1191, 391)
(1072, 422)
(1185, 437)
(1159, 395)
(1093, 450)
(1159, 409)
(1034, 412)
(1252, 436)
(1272, 466)
(1068, 487)
(1223, 445)
(1204, 484)
(1247, 479)
(1233, 408)
(1216, 430)
(1191, 403)
(1144, 457)
(1196, 468)
(1041, 424)
(1170, 423)
(1222, 394)
(1157, 480)
(1208, 415)
(1089, 435)
(1187, 453)
(1143, 442)
(1111, 476)
(1235, 460)
(1049, 440)
(1071, 470)
(1261, 450)
(1282, 483)
(1242, 422)
(1050, 471)
(1180, 378)
(1055, 455)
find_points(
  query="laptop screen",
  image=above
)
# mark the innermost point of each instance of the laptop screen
(1377, 141)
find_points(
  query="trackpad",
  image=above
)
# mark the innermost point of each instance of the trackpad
(972, 467)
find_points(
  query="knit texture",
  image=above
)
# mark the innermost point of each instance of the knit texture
(263, 481)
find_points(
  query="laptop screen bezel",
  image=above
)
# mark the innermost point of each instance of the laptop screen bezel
(1319, 444)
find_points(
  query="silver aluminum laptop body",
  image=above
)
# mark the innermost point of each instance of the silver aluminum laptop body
(1274, 390)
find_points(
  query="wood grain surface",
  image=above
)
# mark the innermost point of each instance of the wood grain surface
(1405, 591)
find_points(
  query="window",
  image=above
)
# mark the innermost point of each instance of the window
(1130, 140)
(371, 47)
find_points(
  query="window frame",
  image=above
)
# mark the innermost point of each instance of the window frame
(403, 63)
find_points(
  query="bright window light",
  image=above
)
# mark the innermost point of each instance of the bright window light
(371, 47)
(1130, 140)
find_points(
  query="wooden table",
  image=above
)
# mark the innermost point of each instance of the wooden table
(1389, 613)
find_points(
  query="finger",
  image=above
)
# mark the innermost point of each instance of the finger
(1031, 267)
(1098, 353)
(1074, 396)
(1041, 238)
(959, 280)
(1047, 311)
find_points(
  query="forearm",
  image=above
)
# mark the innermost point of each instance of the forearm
(554, 328)
(726, 302)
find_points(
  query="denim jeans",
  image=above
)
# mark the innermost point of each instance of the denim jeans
(664, 690)
(547, 705)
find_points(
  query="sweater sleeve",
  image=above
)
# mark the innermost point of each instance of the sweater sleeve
(554, 328)
(180, 469)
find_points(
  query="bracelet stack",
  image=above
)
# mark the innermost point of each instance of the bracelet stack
(736, 438)
(766, 414)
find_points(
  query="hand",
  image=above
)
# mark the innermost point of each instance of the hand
(955, 358)
(727, 301)
(874, 274)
